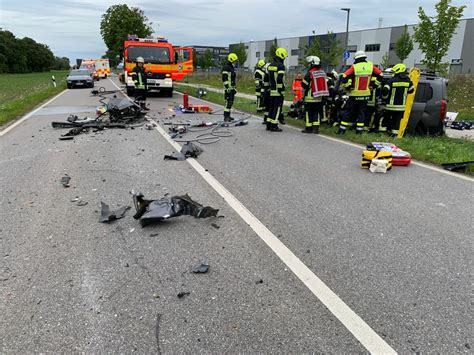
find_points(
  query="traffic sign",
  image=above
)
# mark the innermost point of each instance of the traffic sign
(346, 55)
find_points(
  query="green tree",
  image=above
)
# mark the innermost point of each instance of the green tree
(207, 59)
(313, 48)
(404, 45)
(12, 56)
(117, 23)
(272, 50)
(385, 62)
(241, 53)
(61, 63)
(38, 56)
(434, 33)
(332, 53)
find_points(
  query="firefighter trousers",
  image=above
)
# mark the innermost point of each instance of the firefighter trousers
(354, 113)
(140, 94)
(391, 121)
(314, 113)
(275, 108)
(229, 102)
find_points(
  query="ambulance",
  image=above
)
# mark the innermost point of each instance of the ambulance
(102, 67)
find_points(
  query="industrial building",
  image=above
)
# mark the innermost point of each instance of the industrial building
(218, 53)
(376, 43)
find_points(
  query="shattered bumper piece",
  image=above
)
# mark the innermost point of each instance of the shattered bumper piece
(152, 211)
(106, 215)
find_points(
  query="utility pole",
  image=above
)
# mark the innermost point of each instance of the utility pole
(348, 10)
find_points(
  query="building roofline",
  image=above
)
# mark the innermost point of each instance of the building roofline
(338, 33)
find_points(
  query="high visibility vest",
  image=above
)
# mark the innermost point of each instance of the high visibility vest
(362, 75)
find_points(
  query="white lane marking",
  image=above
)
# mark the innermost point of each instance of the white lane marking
(28, 115)
(355, 324)
(360, 146)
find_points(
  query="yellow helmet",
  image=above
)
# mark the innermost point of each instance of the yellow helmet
(399, 68)
(281, 53)
(232, 57)
(261, 63)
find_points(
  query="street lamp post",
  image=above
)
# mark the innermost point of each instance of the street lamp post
(348, 10)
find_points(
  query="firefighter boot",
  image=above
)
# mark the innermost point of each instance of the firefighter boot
(316, 129)
(307, 130)
(275, 128)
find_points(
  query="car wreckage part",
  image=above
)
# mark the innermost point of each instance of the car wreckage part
(152, 211)
(189, 150)
(106, 215)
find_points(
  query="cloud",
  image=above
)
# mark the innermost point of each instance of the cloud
(72, 27)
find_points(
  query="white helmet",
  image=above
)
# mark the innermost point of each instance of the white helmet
(360, 54)
(312, 59)
(140, 60)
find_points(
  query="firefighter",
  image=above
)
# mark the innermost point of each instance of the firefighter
(276, 73)
(297, 88)
(139, 79)
(259, 76)
(372, 117)
(315, 87)
(394, 94)
(356, 80)
(228, 79)
(266, 93)
(328, 102)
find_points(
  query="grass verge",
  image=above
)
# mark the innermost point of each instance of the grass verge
(435, 150)
(19, 93)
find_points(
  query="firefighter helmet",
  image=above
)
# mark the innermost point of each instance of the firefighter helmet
(313, 60)
(261, 63)
(232, 57)
(360, 54)
(399, 68)
(281, 53)
(140, 60)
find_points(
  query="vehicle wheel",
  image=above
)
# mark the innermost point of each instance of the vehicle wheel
(420, 129)
(69, 86)
(169, 92)
(105, 76)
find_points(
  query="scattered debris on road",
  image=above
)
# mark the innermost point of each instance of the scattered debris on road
(183, 293)
(65, 180)
(152, 211)
(461, 166)
(107, 216)
(200, 269)
(189, 150)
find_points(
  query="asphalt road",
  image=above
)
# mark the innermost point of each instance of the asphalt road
(396, 249)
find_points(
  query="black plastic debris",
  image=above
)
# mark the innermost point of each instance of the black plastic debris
(189, 150)
(200, 269)
(106, 215)
(215, 225)
(65, 180)
(461, 125)
(183, 293)
(152, 211)
(81, 203)
(461, 166)
(66, 138)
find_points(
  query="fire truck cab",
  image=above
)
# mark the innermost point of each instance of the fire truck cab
(164, 63)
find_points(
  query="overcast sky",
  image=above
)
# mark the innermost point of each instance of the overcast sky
(71, 27)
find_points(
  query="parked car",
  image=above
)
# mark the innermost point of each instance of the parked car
(79, 77)
(92, 70)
